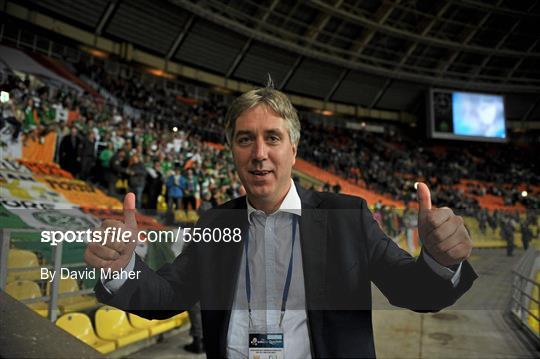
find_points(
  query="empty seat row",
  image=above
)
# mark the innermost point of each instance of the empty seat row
(25, 289)
(114, 329)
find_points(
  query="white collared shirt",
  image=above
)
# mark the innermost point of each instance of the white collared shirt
(270, 241)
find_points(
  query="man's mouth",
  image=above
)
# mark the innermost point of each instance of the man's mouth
(260, 173)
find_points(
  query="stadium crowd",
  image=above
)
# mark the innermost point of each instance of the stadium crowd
(140, 138)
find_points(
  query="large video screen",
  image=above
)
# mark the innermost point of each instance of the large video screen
(466, 116)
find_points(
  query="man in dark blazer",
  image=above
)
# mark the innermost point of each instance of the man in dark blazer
(341, 251)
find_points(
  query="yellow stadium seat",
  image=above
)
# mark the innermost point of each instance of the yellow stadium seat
(155, 327)
(18, 258)
(192, 216)
(113, 324)
(180, 216)
(533, 307)
(79, 325)
(180, 319)
(25, 289)
(72, 304)
(121, 184)
(161, 204)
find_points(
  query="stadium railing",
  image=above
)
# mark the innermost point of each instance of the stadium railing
(54, 289)
(525, 298)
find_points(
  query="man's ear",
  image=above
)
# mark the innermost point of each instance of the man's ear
(294, 147)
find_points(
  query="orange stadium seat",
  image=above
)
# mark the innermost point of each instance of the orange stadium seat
(79, 325)
(25, 289)
(113, 324)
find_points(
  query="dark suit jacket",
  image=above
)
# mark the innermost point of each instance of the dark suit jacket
(343, 250)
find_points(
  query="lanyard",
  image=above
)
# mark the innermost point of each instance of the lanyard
(287, 280)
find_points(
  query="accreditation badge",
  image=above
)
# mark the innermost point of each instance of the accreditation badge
(265, 344)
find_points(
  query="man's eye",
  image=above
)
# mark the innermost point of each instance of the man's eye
(242, 140)
(274, 139)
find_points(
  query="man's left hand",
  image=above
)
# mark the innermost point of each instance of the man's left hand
(442, 233)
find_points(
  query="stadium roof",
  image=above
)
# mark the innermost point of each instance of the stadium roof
(379, 54)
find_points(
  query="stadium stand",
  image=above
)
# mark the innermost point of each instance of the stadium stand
(90, 130)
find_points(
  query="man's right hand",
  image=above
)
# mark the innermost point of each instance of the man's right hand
(115, 255)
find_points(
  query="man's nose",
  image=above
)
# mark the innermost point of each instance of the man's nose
(260, 150)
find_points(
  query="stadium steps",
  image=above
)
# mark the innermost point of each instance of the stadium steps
(347, 187)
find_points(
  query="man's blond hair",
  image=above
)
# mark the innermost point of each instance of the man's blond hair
(274, 99)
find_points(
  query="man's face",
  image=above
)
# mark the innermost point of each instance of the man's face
(263, 154)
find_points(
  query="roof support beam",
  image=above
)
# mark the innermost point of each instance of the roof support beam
(498, 46)
(107, 15)
(410, 35)
(382, 13)
(467, 38)
(180, 38)
(531, 109)
(380, 93)
(320, 22)
(368, 64)
(424, 32)
(495, 8)
(520, 61)
(501, 42)
(239, 58)
(334, 88)
(290, 73)
(248, 43)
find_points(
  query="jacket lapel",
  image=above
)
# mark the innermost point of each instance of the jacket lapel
(313, 237)
(232, 254)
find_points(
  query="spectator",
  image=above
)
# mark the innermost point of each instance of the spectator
(175, 189)
(105, 166)
(191, 190)
(87, 154)
(154, 184)
(13, 117)
(29, 123)
(136, 178)
(118, 168)
(526, 234)
(69, 152)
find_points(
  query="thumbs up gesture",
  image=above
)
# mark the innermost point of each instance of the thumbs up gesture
(115, 255)
(442, 233)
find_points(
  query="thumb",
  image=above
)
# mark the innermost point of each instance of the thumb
(424, 197)
(129, 210)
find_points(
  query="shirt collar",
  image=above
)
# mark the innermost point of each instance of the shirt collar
(291, 203)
